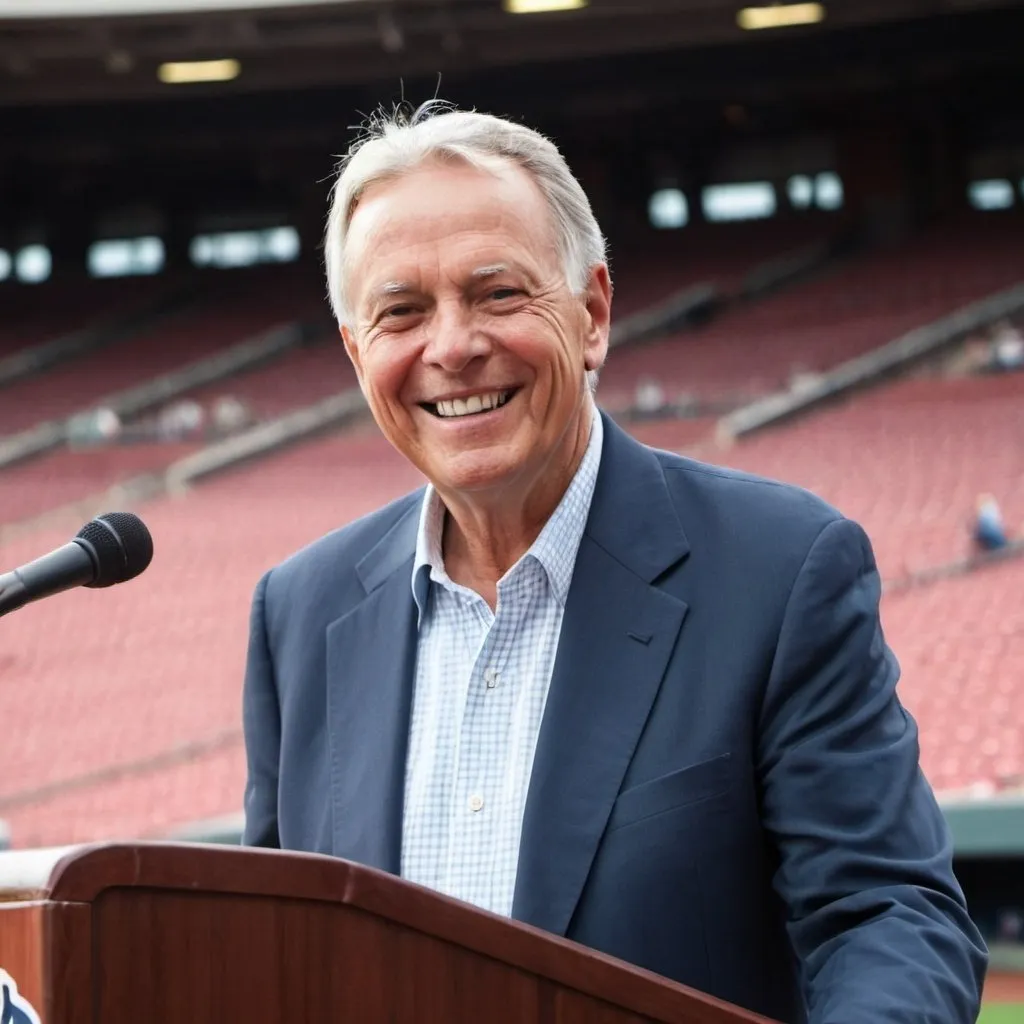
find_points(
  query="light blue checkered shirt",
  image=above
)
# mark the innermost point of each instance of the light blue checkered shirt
(481, 684)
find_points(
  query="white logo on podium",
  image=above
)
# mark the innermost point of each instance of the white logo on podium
(14, 1009)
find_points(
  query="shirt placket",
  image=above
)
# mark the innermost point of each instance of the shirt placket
(464, 823)
(479, 793)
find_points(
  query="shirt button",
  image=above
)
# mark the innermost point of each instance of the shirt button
(476, 802)
(491, 677)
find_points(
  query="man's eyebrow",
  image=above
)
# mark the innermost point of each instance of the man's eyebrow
(482, 273)
(393, 288)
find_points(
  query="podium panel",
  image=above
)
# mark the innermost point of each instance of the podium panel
(119, 934)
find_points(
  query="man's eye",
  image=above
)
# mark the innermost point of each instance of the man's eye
(504, 293)
(395, 311)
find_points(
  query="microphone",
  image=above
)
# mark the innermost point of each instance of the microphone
(113, 548)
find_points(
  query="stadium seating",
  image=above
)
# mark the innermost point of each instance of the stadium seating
(41, 313)
(155, 666)
(147, 676)
(242, 303)
(907, 461)
(63, 476)
(960, 643)
(839, 314)
(689, 435)
(653, 265)
(297, 378)
(227, 311)
(81, 382)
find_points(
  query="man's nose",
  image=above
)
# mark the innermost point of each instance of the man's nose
(454, 339)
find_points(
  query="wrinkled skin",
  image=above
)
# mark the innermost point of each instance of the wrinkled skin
(457, 288)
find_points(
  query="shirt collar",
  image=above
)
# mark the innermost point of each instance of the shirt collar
(555, 547)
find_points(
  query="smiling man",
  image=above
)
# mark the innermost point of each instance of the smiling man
(623, 696)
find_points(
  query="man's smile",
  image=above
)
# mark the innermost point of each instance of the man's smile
(470, 405)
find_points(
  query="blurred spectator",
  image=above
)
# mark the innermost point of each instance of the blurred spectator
(974, 356)
(649, 398)
(801, 379)
(1007, 347)
(181, 421)
(229, 415)
(97, 426)
(989, 531)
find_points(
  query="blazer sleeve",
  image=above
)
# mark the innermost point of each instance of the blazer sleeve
(875, 914)
(261, 718)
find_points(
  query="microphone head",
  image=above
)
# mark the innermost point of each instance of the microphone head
(121, 547)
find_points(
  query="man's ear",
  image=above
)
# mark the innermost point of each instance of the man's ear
(349, 341)
(599, 317)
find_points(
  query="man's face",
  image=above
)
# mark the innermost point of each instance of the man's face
(469, 345)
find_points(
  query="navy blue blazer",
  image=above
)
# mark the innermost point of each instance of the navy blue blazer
(726, 788)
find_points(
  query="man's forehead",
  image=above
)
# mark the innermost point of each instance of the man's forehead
(434, 204)
(444, 189)
(430, 223)
(386, 231)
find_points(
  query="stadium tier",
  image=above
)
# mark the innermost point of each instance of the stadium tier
(297, 378)
(908, 461)
(64, 476)
(654, 265)
(847, 309)
(130, 720)
(33, 316)
(252, 301)
(85, 381)
(960, 643)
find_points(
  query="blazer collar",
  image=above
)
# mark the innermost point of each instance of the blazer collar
(618, 634)
(396, 548)
(632, 516)
(630, 489)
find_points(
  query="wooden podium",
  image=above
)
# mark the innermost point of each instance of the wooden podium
(163, 934)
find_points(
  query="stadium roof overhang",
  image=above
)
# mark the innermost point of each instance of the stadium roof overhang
(46, 55)
(36, 9)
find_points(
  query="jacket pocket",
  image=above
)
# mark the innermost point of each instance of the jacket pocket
(680, 788)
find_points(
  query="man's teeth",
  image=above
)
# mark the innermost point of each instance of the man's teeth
(473, 404)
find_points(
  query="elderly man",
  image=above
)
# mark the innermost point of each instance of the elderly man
(628, 698)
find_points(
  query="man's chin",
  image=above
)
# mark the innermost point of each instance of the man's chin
(475, 472)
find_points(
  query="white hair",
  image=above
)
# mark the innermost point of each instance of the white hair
(391, 145)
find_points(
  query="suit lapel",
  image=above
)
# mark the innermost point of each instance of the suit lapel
(618, 634)
(370, 671)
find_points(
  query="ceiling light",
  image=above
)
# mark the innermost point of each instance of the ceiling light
(187, 71)
(539, 6)
(780, 16)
